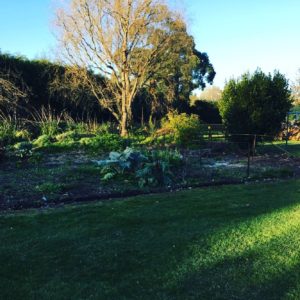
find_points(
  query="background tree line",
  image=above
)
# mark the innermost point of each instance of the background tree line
(41, 84)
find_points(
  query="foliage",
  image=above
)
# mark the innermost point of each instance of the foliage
(208, 111)
(43, 141)
(23, 149)
(23, 134)
(159, 167)
(150, 168)
(185, 128)
(118, 163)
(134, 46)
(185, 69)
(255, 104)
(8, 131)
(42, 82)
(103, 142)
(48, 122)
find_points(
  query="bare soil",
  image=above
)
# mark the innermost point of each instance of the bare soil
(60, 178)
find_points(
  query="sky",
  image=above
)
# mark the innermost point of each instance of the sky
(237, 35)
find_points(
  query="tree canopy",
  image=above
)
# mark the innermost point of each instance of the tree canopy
(256, 103)
(133, 44)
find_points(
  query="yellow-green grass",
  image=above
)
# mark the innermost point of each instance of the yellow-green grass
(233, 242)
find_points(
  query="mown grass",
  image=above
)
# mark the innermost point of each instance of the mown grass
(234, 242)
(280, 147)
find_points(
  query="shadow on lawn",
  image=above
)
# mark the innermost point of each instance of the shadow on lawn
(267, 266)
(143, 248)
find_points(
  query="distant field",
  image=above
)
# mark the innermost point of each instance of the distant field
(233, 242)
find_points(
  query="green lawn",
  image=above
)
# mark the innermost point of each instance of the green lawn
(234, 242)
(279, 147)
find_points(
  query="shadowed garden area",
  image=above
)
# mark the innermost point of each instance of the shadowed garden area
(233, 242)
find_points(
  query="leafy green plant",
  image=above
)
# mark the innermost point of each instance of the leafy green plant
(155, 172)
(23, 149)
(158, 170)
(104, 142)
(119, 163)
(151, 168)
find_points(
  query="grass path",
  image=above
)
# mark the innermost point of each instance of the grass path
(233, 242)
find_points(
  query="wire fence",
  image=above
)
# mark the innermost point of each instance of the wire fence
(222, 156)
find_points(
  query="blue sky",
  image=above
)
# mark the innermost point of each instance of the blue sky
(238, 35)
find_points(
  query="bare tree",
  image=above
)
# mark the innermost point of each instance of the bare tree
(10, 93)
(296, 90)
(123, 42)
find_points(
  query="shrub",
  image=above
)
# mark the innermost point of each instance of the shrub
(255, 104)
(105, 142)
(208, 111)
(185, 128)
(43, 141)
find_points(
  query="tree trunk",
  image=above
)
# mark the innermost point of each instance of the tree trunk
(124, 114)
(124, 131)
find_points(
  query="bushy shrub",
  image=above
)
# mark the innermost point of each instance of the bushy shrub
(255, 104)
(43, 141)
(208, 111)
(185, 128)
(104, 142)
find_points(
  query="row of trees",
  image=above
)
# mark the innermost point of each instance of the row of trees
(136, 59)
(28, 85)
